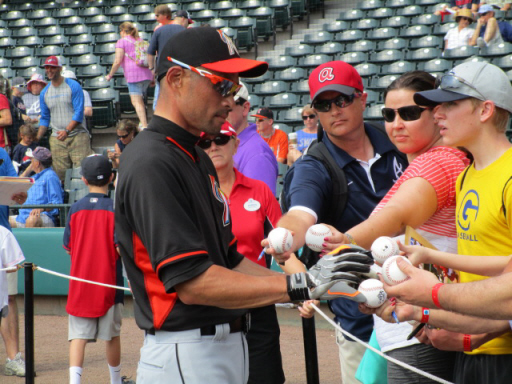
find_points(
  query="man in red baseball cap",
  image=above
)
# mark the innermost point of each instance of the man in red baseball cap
(370, 164)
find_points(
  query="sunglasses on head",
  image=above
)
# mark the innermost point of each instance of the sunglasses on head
(123, 136)
(451, 82)
(222, 85)
(408, 113)
(341, 101)
(308, 117)
(218, 140)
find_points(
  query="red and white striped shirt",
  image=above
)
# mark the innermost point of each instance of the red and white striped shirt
(440, 166)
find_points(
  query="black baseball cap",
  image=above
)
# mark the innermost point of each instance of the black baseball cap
(264, 113)
(96, 167)
(185, 14)
(209, 48)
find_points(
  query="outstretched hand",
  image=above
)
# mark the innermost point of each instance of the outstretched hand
(334, 241)
(280, 257)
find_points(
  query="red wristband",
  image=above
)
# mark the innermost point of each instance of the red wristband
(425, 314)
(435, 295)
(467, 343)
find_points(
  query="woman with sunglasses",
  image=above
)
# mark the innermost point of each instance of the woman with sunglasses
(254, 211)
(423, 198)
(306, 135)
(126, 131)
(461, 34)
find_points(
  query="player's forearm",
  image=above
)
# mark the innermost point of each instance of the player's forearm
(298, 222)
(251, 268)
(224, 288)
(456, 322)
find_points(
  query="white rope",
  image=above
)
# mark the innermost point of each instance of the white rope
(393, 360)
(79, 279)
(9, 269)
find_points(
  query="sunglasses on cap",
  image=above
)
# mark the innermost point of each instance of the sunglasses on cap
(451, 82)
(341, 101)
(224, 86)
(308, 117)
(408, 113)
(218, 140)
(123, 136)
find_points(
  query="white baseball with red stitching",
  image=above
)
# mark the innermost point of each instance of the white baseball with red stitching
(383, 248)
(374, 292)
(280, 239)
(391, 273)
(315, 236)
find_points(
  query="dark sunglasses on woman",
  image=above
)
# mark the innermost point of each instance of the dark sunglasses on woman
(408, 113)
(218, 140)
(308, 117)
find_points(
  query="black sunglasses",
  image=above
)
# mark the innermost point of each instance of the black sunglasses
(409, 113)
(123, 136)
(218, 140)
(308, 117)
(341, 101)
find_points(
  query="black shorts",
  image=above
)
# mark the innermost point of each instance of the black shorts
(483, 369)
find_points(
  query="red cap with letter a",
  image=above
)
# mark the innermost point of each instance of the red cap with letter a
(334, 76)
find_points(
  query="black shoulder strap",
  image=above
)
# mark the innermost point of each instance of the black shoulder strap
(464, 177)
(339, 190)
(503, 198)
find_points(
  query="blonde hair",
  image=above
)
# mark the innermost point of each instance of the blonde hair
(130, 29)
(27, 129)
(500, 118)
(308, 110)
(128, 126)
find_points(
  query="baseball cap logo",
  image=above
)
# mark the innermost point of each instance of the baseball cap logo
(231, 46)
(326, 75)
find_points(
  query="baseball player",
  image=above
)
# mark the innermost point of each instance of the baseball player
(190, 284)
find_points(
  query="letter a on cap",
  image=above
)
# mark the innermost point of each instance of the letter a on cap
(326, 74)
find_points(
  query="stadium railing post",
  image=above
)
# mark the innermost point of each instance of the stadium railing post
(310, 351)
(29, 323)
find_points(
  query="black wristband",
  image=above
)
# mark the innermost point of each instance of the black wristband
(297, 287)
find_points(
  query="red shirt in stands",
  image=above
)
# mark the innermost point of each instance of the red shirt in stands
(4, 104)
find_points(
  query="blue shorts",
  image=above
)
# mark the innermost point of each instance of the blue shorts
(139, 88)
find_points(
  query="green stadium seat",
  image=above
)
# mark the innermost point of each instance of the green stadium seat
(249, 4)
(7, 42)
(4, 8)
(373, 97)
(205, 16)
(371, 4)
(94, 83)
(287, 129)
(5, 63)
(86, 60)
(76, 30)
(282, 14)
(395, 22)
(103, 28)
(19, 52)
(361, 46)
(245, 32)
(290, 74)
(98, 20)
(501, 49)
(125, 103)
(50, 5)
(269, 75)
(12, 15)
(56, 40)
(364, 24)
(75, 4)
(504, 62)
(426, 19)
(299, 50)
(382, 82)
(382, 33)
(141, 9)
(461, 52)
(427, 41)
(388, 55)
(330, 48)
(91, 70)
(114, 3)
(300, 87)
(104, 49)
(410, 10)
(396, 43)
(231, 14)
(373, 112)
(436, 65)
(218, 23)
(78, 49)
(336, 26)
(115, 11)
(398, 67)
(110, 37)
(121, 84)
(281, 62)
(38, 14)
(471, 59)
(26, 73)
(7, 73)
(415, 31)
(441, 29)
(49, 50)
(320, 37)
(298, 9)
(84, 38)
(195, 7)
(349, 35)
(70, 21)
(265, 24)
(45, 22)
(90, 12)
(271, 87)
(119, 19)
(25, 62)
(64, 12)
(313, 61)
(282, 100)
(353, 58)
(423, 54)
(290, 116)
(351, 15)
(221, 5)
(380, 13)
(367, 69)
(19, 23)
(22, 32)
(399, 3)
(427, 2)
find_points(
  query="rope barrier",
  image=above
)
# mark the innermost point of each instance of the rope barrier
(10, 269)
(393, 360)
(37, 268)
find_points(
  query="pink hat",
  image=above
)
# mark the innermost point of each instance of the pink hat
(35, 78)
(53, 61)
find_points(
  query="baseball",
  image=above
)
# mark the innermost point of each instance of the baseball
(384, 247)
(391, 273)
(315, 236)
(374, 292)
(280, 239)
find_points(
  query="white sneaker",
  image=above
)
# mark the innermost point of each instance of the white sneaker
(15, 367)
(481, 43)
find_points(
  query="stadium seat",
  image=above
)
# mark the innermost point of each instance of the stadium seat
(353, 58)
(76, 30)
(427, 2)
(396, 43)
(501, 49)
(38, 14)
(269, 75)
(367, 70)
(423, 54)
(388, 55)
(265, 24)
(299, 50)
(62, 13)
(399, 3)
(281, 62)
(141, 9)
(290, 74)
(395, 22)
(84, 38)
(70, 21)
(461, 52)
(371, 4)
(49, 50)
(336, 26)
(426, 19)
(441, 29)
(320, 37)
(91, 70)
(233, 13)
(373, 112)
(298, 8)
(51, 5)
(115, 11)
(110, 37)
(56, 40)
(471, 59)
(330, 48)
(5, 32)
(245, 32)
(373, 97)
(410, 11)
(78, 49)
(416, 31)
(97, 20)
(282, 100)
(90, 12)
(5, 63)
(287, 129)
(120, 83)
(7, 73)
(12, 15)
(26, 73)
(221, 5)
(382, 33)
(350, 35)
(25, 62)
(504, 62)
(103, 28)
(7, 42)
(271, 87)
(249, 4)
(119, 19)
(104, 115)
(291, 116)
(381, 13)
(351, 15)
(124, 3)
(19, 52)
(398, 67)
(313, 61)
(427, 41)
(205, 15)
(85, 60)
(282, 13)
(436, 65)
(22, 32)
(94, 83)
(300, 87)
(45, 22)
(255, 100)
(364, 24)
(19, 23)
(104, 49)
(361, 46)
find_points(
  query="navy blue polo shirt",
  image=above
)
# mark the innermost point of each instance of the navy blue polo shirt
(311, 188)
(161, 36)
(505, 30)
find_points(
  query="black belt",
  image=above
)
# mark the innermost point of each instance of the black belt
(240, 324)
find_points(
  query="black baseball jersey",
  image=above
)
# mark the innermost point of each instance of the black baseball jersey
(172, 224)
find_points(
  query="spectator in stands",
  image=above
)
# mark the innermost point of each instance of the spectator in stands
(254, 158)
(62, 109)
(306, 135)
(95, 312)
(19, 88)
(501, 5)
(163, 15)
(46, 190)
(275, 138)
(183, 18)
(338, 97)
(20, 159)
(138, 78)
(158, 40)
(87, 98)
(488, 30)
(461, 34)
(126, 131)
(5, 113)
(456, 5)
(31, 99)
